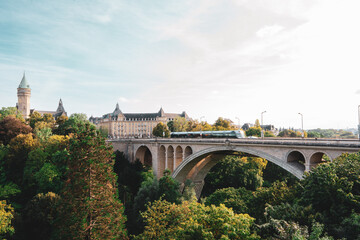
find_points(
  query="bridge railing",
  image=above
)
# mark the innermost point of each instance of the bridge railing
(351, 143)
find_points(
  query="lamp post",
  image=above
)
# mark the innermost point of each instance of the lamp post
(359, 121)
(302, 125)
(201, 125)
(262, 123)
(238, 122)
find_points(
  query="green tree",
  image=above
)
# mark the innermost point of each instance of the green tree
(291, 133)
(254, 131)
(89, 206)
(34, 118)
(235, 171)
(19, 148)
(8, 189)
(152, 189)
(6, 215)
(169, 188)
(192, 220)
(192, 125)
(277, 193)
(351, 226)
(48, 178)
(61, 120)
(188, 193)
(238, 199)
(129, 176)
(35, 160)
(273, 173)
(223, 124)
(148, 192)
(72, 125)
(179, 124)
(161, 130)
(313, 134)
(48, 118)
(39, 215)
(104, 131)
(10, 111)
(333, 191)
(80, 116)
(43, 134)
(269, 134)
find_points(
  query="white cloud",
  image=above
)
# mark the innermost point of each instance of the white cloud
(124, 100)
(269, 31)
(103, 18)
(209, 58)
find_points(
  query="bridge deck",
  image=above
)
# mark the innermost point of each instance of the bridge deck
(343, 143)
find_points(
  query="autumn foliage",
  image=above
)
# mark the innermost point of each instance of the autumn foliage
(10, 127)
(90, 208)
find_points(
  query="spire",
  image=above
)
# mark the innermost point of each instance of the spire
(60, 107)
(117, 110)
(161, 112)
(24, 83)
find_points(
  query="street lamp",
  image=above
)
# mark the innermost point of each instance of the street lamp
(262, 117)
(302, 125)
(201, 125)
(238, 122)
(359, 121)
(262, 124)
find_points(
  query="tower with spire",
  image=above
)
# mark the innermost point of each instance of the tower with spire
(24, 94)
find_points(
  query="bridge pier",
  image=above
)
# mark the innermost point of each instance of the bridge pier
(198, 188)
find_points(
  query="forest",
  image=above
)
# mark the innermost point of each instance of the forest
(59, 179)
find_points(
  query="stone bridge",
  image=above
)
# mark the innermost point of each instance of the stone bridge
(193, 158)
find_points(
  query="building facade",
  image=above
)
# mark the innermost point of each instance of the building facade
(23, 104)
(122, 125)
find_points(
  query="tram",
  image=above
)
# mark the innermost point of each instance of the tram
(209, 134)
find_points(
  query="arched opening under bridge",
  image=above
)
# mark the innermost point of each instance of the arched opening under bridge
(162, 160)
(296, 159)
(170, 158)
(178, 156)
(188, 151)
(197, 165)
(318, 158)
(143, 153)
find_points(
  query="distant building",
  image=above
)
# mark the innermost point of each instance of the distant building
(23, 104)
(119, 124)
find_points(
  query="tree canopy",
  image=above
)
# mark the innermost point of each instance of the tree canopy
(192, 220)
(90, 207)
(10, 127)
(161, 130)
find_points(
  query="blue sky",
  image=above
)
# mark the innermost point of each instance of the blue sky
(211, 58)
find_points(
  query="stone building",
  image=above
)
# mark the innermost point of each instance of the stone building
(119, 124)
(23, 104)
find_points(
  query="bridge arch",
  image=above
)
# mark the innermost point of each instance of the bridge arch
(170, 158)
(318, 157)
(197, 165)
(178, 156)
(188, 151)
(296, 158)
(161, 162)
(144, 155)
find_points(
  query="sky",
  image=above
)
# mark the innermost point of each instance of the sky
(211, 58)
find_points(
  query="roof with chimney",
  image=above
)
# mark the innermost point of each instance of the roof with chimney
(60, 111)
(129, 116)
